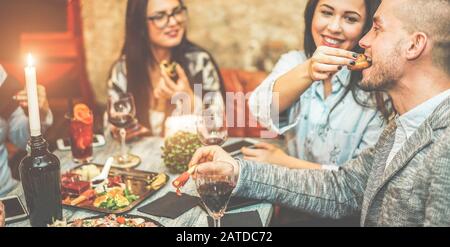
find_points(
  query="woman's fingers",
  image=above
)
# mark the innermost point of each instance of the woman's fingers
(166, 90)
(325, 68)
(336, 52)
(203, 154)
(41, 91)
(331, 60)
(21, 96)
(265, 145)
(168, 81)
(181, 74)
(251, 151)
(318, 75)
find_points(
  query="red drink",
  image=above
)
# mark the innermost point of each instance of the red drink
(81, 134)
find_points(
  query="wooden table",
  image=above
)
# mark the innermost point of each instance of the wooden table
(149, 149)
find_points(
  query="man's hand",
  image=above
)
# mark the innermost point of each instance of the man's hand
(211, 154)
(22, 98)
(2, 214)
(266, 153)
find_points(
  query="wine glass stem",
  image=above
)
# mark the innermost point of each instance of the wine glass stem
(216, 222)
(123, 148)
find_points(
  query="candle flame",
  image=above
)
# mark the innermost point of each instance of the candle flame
(30, 60)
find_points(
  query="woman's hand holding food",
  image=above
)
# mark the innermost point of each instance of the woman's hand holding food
(326, 61)
(168, 86)
(211, 154)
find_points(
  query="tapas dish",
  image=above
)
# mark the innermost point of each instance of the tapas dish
(111, 220)
(119, 193)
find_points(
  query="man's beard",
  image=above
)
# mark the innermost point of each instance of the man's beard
(384, 73)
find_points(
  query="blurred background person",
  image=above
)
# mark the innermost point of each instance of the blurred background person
(14, 125)
(156, 32)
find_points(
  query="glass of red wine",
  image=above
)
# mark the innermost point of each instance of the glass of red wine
(215, 182)
(121, 114)
(211, 125)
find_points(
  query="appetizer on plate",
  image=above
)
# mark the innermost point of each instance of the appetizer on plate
(111, 220)
(119, 193)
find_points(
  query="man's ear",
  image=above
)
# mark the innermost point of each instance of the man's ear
(417, 44)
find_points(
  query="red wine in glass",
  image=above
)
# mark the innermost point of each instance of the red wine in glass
(215, 182)
(211, 130)
(213, 141)
(121, 121)
(121, 113)
(215, 195)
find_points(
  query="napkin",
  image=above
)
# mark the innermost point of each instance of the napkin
(244, 219)
(170, 205)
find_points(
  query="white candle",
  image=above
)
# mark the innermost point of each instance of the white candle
(33, 105)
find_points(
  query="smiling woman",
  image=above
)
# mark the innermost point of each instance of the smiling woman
(331, 124)
(331, 118)
(156, 34)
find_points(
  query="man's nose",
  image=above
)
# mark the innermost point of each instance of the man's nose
(364, 42)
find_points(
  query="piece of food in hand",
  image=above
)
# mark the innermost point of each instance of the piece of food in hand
(182, 179)
(362, 62)
(170, 69)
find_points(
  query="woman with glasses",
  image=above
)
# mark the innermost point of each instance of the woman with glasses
(156, 32)
(328, 120)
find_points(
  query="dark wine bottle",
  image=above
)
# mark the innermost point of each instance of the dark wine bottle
(40, 176)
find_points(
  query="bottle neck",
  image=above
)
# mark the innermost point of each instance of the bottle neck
(38, 146)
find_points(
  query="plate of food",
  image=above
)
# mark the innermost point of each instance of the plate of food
(121, 192)
(110, 220)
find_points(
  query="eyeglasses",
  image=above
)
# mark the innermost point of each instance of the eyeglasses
(161, 20)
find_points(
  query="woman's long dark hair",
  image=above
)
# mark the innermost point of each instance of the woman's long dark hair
(138, 57)
(356, 76)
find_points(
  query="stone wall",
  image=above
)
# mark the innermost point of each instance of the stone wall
(248, 34)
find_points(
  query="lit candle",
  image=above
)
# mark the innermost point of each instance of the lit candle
(33, 105)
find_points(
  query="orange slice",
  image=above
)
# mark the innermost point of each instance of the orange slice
(82, 113)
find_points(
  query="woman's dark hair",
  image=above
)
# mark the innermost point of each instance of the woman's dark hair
(138, 57)
(356, 76)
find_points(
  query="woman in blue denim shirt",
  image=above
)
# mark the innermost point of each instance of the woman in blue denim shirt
(329, 119)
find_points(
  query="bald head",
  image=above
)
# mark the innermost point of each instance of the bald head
(431, 17)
